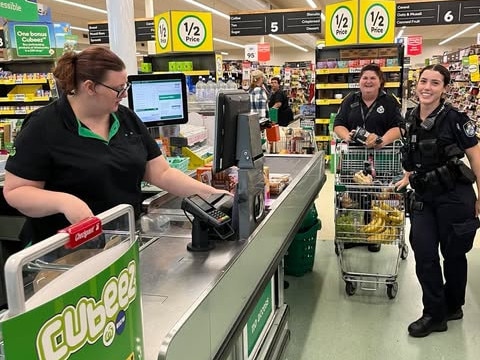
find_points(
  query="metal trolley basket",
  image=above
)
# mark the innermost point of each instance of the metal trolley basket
(368, 210)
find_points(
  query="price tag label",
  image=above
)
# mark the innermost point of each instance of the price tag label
(342, 23)
(191, 31)
(251, 52)
(377, 21)
(163, 33)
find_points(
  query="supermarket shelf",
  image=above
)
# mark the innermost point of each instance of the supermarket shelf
(328, 101)
(354, 70)
(23, 81)
(24, 98)
(322, 121)
(332, 86)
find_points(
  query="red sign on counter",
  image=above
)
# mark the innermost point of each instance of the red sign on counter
(82, 232)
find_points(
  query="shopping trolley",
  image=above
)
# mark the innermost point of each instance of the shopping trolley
(369, 210)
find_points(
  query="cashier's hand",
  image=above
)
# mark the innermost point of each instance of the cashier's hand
(75, 209)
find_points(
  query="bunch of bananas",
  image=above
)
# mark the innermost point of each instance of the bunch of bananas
(384, 223)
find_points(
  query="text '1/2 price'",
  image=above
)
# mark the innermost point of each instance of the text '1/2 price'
(191, 31)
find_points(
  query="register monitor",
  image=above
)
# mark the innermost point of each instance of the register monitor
(229, 104)
(159, 99)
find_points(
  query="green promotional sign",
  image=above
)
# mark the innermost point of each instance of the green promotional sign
(19, 10)
(256, 323)
(99, 319)
(33, 40)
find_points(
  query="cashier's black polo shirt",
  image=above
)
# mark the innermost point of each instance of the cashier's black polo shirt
(382, 115)
(54, 147)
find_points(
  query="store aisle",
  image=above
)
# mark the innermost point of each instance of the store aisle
(327, 324)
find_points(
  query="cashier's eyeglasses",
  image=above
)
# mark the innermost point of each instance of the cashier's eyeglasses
(120, 92)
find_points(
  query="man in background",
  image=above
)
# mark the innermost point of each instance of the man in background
(278, 100)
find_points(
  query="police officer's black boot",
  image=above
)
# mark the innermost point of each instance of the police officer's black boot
(426, 325)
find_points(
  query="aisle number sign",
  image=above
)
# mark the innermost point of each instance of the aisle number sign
(364, 22)
(377, 21)
(343, 27)
(183, 31)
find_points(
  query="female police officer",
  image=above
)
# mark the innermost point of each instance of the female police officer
(85, 152)
(445, 207)
(373, 110)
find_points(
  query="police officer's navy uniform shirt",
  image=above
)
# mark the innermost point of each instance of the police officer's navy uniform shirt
(382, 115)
(53, 146)
(455, 128)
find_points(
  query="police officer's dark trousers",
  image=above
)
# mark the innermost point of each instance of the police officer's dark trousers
(432, 225)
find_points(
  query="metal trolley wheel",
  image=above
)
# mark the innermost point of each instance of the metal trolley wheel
(404, 252)
(350, 287)
(392, 290)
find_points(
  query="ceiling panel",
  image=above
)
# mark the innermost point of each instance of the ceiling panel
(79, 17)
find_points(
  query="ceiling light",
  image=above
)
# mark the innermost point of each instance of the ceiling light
(78, 28)
(224, 53)
(312, 4)
(288, 42)
(459, 33)
(400, 33)
(86, 7)
(208, 8)
(228, 42)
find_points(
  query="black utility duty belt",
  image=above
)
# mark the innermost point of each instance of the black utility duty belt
(443, 178)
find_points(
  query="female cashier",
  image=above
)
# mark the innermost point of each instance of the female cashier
(444, 209)
(85, 152)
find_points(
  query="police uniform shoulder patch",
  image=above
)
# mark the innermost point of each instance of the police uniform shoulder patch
(470, 128)
(380, 109)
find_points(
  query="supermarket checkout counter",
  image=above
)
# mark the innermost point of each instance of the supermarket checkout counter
(226, 303)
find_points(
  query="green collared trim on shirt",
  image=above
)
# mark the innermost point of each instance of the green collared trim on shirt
(86, 132)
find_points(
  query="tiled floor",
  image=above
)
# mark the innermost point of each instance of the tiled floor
(326, 323)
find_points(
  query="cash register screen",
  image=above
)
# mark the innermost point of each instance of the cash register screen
(159, 99)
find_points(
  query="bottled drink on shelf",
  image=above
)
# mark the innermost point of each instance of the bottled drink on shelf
(231, 84)
(211, 89)
(200, 89)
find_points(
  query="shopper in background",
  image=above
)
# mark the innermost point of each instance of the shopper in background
(258, 94)
(85, 152)
(444, 208)
(372, 109)
(278, 100)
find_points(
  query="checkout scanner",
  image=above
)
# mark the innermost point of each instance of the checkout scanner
(223, 217)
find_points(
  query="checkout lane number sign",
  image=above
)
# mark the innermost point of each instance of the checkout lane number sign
(191, 31)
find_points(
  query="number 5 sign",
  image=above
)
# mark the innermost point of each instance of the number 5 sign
(183, 31)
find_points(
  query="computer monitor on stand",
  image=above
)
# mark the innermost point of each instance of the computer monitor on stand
(238, 143)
